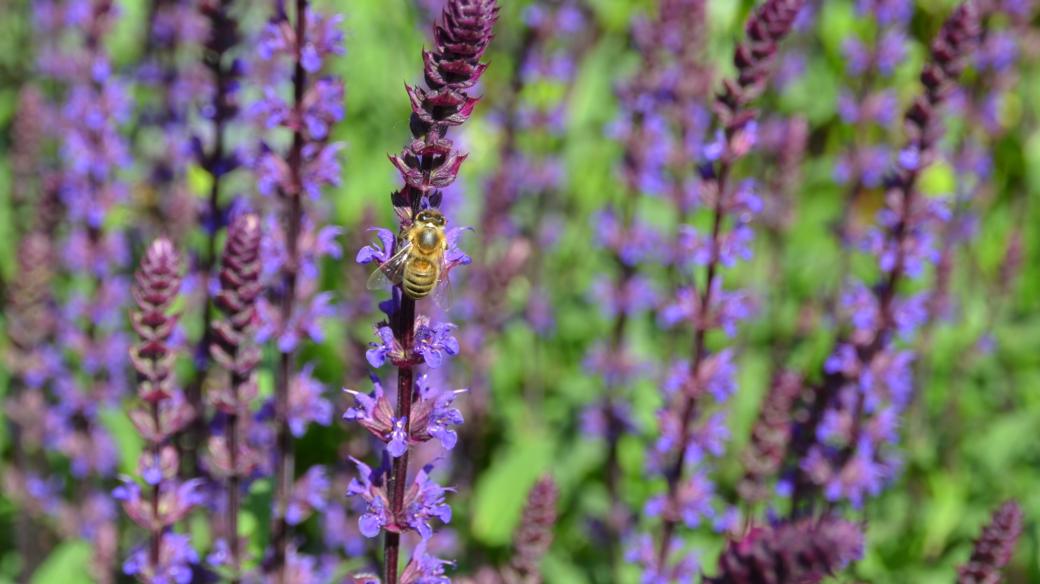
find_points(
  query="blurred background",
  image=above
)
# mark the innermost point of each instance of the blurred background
(535, 309)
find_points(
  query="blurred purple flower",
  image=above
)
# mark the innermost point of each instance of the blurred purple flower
(308, 496)
(306, 404)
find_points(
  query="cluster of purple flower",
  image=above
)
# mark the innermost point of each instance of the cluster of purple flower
(664, 118)
(422, 412)
(688, 437)
(293, 49)
(162, 413)
(845, 445)
(868, 108)
(94, 155)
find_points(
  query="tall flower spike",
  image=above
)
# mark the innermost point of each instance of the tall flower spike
(660, 114)
(803, 552)
(302, 105)
(219, 159)
(994, 547)
(708, 377)
(234, 350)
(769, 438)
(93, 156)
(842, 444)
(428, 163)
(156, 285)
(161, 414)
(535, 533)
(31, 362)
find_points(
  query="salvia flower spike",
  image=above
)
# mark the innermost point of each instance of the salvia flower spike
(535, 532)
(215, 154)
(802, 552)
(710, 376)
(234, 349)
(163, 500)
(94, 155)
(299, 101)
(429, 162)
(994, 547)
(842, 448)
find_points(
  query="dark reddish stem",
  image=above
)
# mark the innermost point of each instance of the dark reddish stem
(285, 466)
(404, 330)
(234, 482)
(156, 542)
(222, 79)
(689, 408)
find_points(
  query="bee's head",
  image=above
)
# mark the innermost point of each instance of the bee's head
(431, 217)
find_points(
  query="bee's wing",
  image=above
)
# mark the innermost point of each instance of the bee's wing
(391, 272)
(444, 293)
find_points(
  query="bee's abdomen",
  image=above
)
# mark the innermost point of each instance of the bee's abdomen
(420, 277)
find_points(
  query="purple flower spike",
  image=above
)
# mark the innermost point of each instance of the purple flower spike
(790, 552)
(298, 105)
(844, 445)
(692, 430)
(428, 165)
(160, 415)
(994, 547)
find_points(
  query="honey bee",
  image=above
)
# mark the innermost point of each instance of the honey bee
(418, 266)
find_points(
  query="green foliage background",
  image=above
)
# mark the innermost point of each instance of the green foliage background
(974, 441)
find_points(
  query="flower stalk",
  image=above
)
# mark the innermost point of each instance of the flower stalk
(234, 350)
(714, 308)
(30, 326)
(218, 160)
(994, 547)
(162, 413)
(285, 463)
(305, 39)
(428, 164)
(850, 463)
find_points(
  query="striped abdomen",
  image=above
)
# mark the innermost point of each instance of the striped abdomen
(420, 277)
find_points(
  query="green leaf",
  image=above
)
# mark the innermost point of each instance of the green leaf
(500, 494)
(69, 563)
(199, 181)
(558, 568)
(938, 179)
(127, 440)
(943, 511)
(256, 512)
